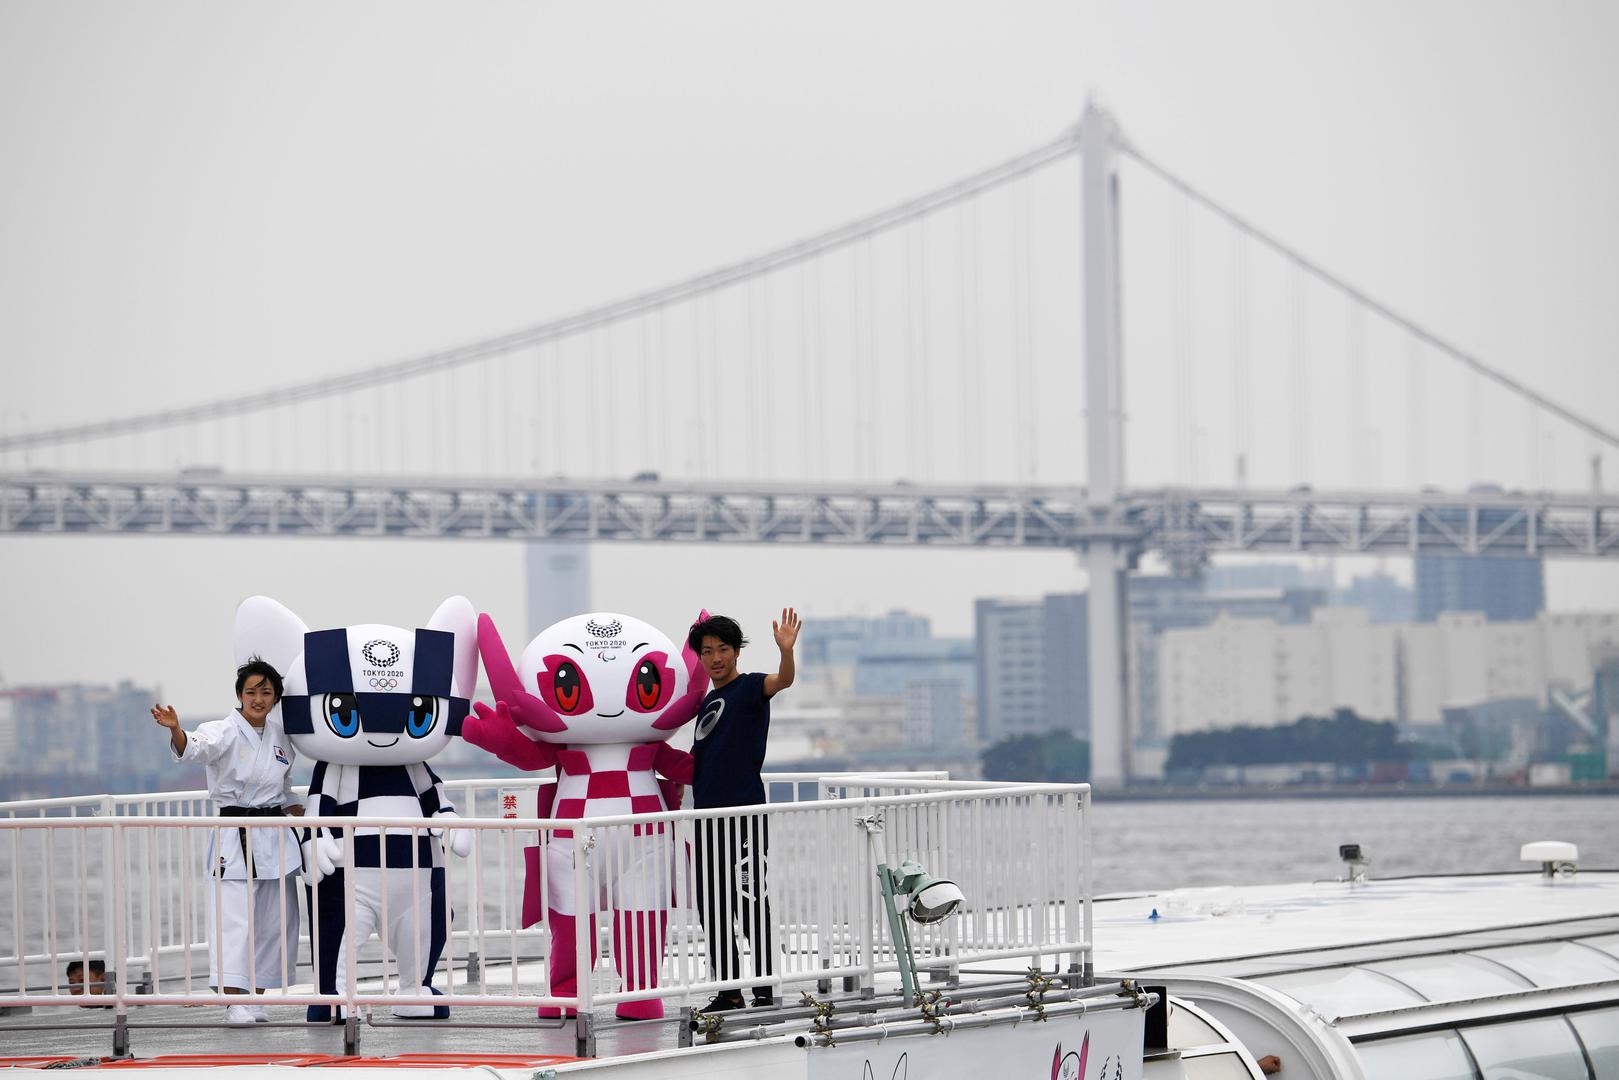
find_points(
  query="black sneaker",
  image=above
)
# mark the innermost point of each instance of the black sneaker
(763, 1000)
(724, 1002)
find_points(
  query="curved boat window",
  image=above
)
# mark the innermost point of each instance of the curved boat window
(1343, 991)
(1599, 1031)
(1527, 1049)
(1452, 977)
(1187, 1029)
(1555, 963)
(1434, 1055)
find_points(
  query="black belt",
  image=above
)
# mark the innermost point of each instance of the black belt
(247, 852)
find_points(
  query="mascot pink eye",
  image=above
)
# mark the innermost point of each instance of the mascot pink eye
(568, 686)
(648, 684)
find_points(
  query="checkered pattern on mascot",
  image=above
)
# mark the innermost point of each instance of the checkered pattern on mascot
(597, 696)
(370, 705)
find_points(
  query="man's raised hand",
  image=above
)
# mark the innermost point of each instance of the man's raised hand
(786, 629)
(166, 716)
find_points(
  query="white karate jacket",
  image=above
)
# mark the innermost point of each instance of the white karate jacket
(246, 768)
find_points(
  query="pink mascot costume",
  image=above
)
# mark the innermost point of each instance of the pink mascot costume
(597, 696)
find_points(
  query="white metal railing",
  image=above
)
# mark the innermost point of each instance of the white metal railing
(130, 887)
(498, 911)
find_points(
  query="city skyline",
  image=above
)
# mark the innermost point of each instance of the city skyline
(275, 226)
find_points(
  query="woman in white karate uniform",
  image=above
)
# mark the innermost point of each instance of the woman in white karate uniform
(249, 762)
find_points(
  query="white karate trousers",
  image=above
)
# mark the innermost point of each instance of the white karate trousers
(274, 905)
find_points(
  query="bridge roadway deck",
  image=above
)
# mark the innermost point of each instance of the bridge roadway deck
(1185, 524)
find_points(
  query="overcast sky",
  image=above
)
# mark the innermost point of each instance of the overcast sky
(200, 199)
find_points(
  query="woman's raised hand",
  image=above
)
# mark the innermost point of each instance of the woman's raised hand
(166, 716)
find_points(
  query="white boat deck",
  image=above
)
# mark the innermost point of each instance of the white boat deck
(1260, 929)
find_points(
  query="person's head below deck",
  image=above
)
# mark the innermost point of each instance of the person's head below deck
(258, 688)
(87, 977)
(718, 642)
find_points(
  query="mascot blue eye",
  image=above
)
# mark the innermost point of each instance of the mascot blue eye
(343, 715)
(419, 721)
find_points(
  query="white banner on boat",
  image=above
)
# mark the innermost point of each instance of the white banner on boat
(1106, 1046)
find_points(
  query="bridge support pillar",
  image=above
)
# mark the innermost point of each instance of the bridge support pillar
(1110, 736)
(1106, 560)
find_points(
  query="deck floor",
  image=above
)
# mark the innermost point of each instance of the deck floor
(168, 1029)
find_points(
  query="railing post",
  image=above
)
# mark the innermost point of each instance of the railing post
(110, 912)
(120, 1030)
(469, 809)
(868, 921)
(351, 950)
(1087, 971)
(584, 944)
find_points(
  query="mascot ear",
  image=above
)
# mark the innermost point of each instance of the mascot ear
(457, 616)
(266, 629)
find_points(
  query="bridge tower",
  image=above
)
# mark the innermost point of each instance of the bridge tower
(1108, 554)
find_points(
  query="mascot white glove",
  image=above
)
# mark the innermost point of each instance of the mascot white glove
(457, 840)
(323, 855)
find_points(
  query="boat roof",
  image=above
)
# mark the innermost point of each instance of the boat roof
(1256, 930)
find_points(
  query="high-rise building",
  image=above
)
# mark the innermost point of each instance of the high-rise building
(1259, 673)
(1011, 648)
(1160, 603)
(1066, 618)
(558, 582)
(1502, 589)
(1033, 666)
(935, 714)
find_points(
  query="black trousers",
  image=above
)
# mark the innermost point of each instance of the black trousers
(732, 855)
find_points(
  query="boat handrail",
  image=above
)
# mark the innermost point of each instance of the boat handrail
(477, 786)
(130, 888)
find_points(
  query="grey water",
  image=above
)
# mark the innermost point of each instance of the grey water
(1151, 846)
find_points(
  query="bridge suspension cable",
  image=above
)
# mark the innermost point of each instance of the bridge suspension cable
(643, 303)
(1326, 276)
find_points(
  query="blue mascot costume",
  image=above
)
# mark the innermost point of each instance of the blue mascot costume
(370, 704)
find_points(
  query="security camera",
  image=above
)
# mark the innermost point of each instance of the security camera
(1349, 853)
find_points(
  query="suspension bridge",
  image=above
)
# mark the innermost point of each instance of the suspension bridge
(948, 371)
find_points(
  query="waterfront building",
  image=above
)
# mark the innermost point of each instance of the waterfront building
(892, 683)
(1159, 603)
(1261, 672)
(1033, 666)
(1500, 589)
(1252, 671)
(937, 715)
(80, 738)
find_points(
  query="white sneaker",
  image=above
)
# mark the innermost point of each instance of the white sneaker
(260, 1016)
(238, 1015)
(413, 1012)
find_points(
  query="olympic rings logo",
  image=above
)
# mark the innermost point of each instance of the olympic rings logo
(384, 684)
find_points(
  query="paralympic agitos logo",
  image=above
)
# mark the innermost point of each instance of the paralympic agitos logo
(604, 635)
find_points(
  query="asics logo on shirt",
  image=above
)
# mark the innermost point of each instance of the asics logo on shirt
(710, 717)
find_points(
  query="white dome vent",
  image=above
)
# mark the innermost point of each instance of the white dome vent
(1557, 858)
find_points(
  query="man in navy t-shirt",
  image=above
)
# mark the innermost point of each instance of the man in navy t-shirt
(729, 748)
